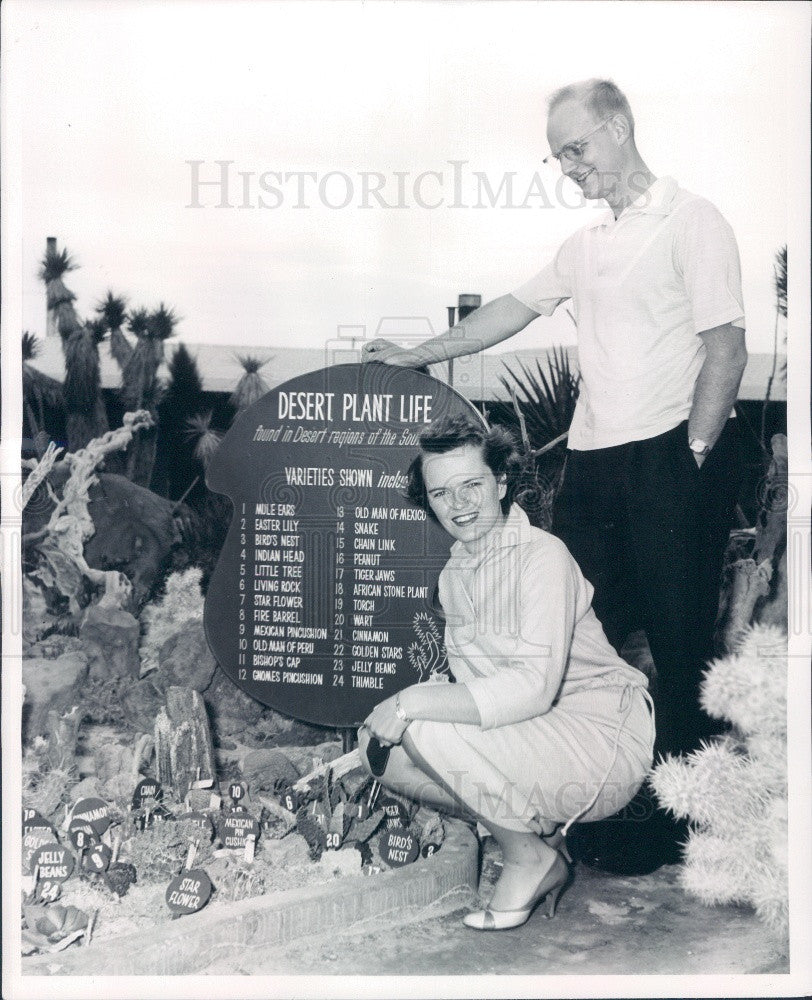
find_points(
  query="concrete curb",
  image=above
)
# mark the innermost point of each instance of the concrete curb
(183, 946)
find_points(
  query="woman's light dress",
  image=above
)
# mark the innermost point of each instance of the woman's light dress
(567, 730)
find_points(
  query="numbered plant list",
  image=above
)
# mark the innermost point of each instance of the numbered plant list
(323, 601)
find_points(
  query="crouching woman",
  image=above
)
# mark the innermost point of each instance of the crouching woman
(545, 723)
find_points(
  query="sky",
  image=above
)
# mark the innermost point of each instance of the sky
(125, 104)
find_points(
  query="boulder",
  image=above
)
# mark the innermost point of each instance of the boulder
(135, 530)
(140, 703)
(110, 639)
(114, 770)
(185, 659)
(230, 709)
(261, 768)
(51, 685)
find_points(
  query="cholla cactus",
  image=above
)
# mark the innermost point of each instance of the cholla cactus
(181, 604)
(734, 790)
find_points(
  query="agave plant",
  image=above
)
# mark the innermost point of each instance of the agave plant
(252, 386)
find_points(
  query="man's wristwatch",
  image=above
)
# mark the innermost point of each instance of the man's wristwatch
(698, 446)
(399, 710)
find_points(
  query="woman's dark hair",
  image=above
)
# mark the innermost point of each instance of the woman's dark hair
(498, 452)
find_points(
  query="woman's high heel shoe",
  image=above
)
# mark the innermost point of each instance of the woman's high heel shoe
(554, 882)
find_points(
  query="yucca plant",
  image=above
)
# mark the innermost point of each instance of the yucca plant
(252, 386)
(541, 407)
(140, 387)
(41, 393)
(207, 439)
(780, 288)
(546, 399)
(175, 466)
(60, 300)
(86, 415)
(113, 311)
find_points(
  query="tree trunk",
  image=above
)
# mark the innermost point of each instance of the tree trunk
(184, 751)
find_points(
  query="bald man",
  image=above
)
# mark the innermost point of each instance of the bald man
(650, 482)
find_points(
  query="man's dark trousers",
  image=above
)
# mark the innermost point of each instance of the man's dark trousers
(649, 527)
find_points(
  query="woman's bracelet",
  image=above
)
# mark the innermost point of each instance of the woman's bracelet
(399, 710)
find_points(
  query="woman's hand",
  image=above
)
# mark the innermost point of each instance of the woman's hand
(389, 354)
(383, 722)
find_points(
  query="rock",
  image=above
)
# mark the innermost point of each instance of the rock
(134, 533)
(86, 788)
(230, 709)
(114, 770)
(185, 659)
(51, 685)
(110, 638)
(261, 768)
(140, 703)
(291, 850)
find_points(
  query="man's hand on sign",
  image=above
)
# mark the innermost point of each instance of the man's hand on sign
(384, 722)
(389, 353)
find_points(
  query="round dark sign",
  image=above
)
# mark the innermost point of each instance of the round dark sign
(32, 841)
(146, 789)
(55, 862)
(236, 790)
(189, 891)
(398, 847)
(394, 811)
(200, 820)
(94, 811)
(289, 798)
(322, 602)
(82, 834)
(98, 858)
(33, 820)
(47, 891)
(236, 826)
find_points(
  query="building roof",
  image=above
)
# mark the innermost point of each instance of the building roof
(476, 376)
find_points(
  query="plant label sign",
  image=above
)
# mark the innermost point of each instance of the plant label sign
(189, 891)
(147, 789)
(398, 847)
(55, 862)
(236, 826)
(32, 840)
(94, 811)
(82, 834)
(322, 603)
(98, 858)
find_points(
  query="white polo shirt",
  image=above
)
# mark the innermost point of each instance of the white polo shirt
(643, 286)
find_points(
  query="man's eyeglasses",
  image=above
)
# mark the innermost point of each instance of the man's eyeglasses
(574, 150)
